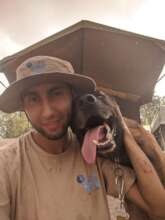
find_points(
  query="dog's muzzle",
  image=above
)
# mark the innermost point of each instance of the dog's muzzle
(99, 135)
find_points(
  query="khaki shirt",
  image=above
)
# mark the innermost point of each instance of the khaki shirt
(36, 185)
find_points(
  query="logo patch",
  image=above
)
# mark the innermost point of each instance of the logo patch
(89, 183)
(36, 67)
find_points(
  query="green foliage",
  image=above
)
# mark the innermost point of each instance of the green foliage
(150, 110)
(12, 125)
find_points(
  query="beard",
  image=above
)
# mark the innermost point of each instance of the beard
(54, 135)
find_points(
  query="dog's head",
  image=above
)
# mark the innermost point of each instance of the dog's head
(97, 126)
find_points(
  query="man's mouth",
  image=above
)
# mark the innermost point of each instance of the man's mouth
(52, 125)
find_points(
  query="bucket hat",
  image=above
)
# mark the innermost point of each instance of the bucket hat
(40, 69)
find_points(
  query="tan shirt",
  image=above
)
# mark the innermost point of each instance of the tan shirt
(35, 185)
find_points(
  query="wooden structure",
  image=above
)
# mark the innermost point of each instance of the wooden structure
(123, 64)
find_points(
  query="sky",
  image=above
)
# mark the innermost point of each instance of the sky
(23, 23)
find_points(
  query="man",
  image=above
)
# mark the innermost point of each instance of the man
(42, 173)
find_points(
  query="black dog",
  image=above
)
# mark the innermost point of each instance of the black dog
(98, 127)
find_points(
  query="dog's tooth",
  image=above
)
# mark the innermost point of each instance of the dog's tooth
(113, 131)
(105, 142)
(101, 144)
(107, 127)
(109, 136)
(98, 143)
(95, 142)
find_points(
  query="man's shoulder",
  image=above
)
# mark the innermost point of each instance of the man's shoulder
(10, 147)
(8, 154)
(7, 144)
(4, 142)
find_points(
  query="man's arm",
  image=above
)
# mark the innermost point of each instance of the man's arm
(5, 179)
(4, 191)
(149, 145)
(149, 191)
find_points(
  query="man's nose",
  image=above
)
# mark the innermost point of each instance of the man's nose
(47, 108)
(87, 99)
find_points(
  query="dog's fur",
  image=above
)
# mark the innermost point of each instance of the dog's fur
(92, 110)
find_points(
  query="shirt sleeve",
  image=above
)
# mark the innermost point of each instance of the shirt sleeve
(107, 168)
(4, 191)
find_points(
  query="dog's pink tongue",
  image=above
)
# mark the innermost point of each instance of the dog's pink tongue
(89, 148)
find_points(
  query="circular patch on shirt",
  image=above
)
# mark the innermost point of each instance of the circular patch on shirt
(80, 178)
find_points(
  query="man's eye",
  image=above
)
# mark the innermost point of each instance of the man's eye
(32, 99)
(56, 93)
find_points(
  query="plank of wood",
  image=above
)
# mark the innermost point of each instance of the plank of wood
(123, 95)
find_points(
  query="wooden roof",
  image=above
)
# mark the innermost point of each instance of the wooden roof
(123, 63)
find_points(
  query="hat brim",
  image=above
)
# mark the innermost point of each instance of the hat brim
(10, 99)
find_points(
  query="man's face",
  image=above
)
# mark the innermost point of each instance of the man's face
(48, 107)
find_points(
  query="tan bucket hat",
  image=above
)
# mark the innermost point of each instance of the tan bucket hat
(39, 69)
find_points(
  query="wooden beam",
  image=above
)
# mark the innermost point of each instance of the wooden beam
(123, 95)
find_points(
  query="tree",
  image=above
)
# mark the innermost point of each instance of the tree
(148, 111)
(12, 125)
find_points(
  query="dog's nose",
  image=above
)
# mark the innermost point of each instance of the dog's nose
(87, 99)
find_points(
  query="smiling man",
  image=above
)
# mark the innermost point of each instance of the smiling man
(43, 174)
(48, 108)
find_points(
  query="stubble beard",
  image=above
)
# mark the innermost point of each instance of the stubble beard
(57, 135)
